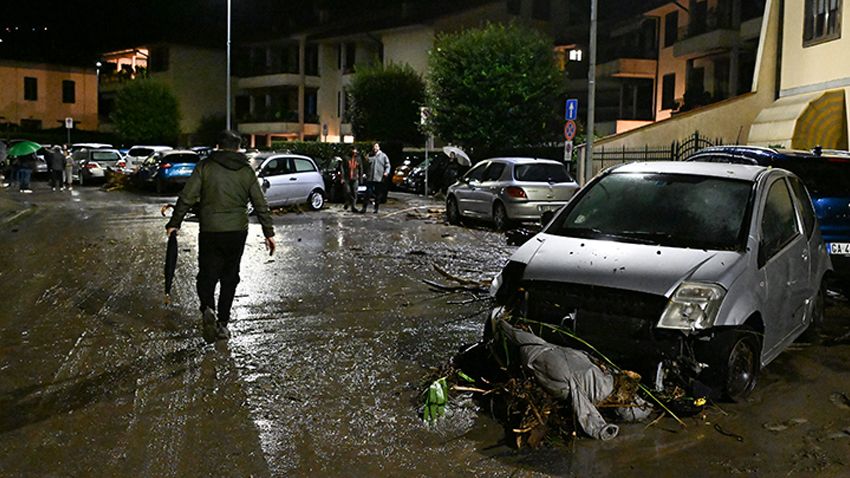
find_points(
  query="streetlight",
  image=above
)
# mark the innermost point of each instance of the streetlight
(228, 65)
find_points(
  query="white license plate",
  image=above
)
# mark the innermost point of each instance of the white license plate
(548, 207)
(839, 248)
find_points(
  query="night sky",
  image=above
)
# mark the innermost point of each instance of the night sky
(76, 31)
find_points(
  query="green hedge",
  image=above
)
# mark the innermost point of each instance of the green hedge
(323, 152)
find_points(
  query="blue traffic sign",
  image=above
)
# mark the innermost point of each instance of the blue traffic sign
(571, 109)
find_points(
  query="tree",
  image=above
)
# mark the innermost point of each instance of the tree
(209, 129)
(385, 103)
(146, 111)
(494, 87)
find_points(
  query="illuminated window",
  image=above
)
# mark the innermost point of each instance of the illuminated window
(822, 21)
(575, 55)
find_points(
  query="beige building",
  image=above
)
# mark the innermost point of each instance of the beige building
(295, 88)
(798, 97)
(197, 76)
(39, 95)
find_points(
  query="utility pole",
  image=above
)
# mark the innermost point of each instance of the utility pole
(228, 65)
(591, 96)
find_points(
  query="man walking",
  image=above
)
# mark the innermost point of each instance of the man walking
(221, 186)
(376, 173)
(352, 169)
(56, 164)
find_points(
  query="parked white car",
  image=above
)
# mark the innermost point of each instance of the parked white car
(138, 153)
(290, 179)
(93, 163)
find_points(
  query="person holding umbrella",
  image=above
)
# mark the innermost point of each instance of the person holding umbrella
(24, 152)
(221, 186)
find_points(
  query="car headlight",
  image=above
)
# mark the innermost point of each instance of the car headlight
(693, 306)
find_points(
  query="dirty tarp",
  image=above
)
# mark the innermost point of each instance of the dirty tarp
(565, 373)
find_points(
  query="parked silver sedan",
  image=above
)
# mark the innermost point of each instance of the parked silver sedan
(507, 190)
(290, 179)
(701, 272)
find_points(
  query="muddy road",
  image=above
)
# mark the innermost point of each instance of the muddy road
(332, 340)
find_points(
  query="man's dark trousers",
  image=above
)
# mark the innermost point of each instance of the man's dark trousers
(219, 255)
(373, 192)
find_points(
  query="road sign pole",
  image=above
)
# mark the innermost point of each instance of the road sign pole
(591, 96)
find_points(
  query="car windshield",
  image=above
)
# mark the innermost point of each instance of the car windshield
(673, 210)
(140, 152)
(541, 173)
(105, 156)
(828, 177)
(179, 158)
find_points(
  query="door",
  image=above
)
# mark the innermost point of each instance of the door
(466, 191)
(783, 260)
(305, 179)
(491, 184)
(274, 180)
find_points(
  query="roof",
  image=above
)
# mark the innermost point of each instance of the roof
(765, 156)
(718, 170)
(519, 160)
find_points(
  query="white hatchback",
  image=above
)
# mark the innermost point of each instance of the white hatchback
(290, 179)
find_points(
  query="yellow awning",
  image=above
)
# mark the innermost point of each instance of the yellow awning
(803, 122)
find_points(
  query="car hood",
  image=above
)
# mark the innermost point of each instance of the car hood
(638, 267)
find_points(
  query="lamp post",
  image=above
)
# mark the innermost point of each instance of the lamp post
(228, 65)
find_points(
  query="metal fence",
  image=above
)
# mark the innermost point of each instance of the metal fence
(676, 151)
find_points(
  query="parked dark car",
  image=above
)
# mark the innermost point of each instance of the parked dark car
(166, 169)
(826, 175)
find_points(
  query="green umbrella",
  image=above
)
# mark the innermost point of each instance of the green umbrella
(23, 148)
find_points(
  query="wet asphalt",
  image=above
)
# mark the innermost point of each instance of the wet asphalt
(333, 338)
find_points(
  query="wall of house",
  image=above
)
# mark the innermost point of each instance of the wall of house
(186, 67)
(409, 45)
(48, 108)
(729, 119)
(667, 63)
(818, 67)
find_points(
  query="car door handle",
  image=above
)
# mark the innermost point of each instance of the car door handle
(293, 179)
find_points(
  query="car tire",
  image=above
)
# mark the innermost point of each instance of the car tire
(452, 211)
(733, 358)
(316, 200)
(500, 217)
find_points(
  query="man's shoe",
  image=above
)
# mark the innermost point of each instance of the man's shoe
(208, 325)
(26, 191)
(6, 185)
(222, 332)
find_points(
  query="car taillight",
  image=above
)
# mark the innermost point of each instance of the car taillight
(92, 165)
(121, 164)
(515, 192)
(165, 166)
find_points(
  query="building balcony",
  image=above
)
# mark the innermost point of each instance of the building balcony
(708, 32)
(279, 79)
(627, 68)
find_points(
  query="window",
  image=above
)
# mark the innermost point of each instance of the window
(159, 59)
(779, 223)
(69, 92)
(821, 21)
(311, 60)
(668, 92)
(671, 28)
(303, 166)
(540, 10)
(350, 57)
(806, 208)
(276, 167)
(541, 173)
(30, 88)
(476, 173)
(494, 172)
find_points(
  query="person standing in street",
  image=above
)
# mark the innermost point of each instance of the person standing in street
(69, 169)
(221, 185)
(376, 174)
(56, 164)
(352, 169)
(26, 164)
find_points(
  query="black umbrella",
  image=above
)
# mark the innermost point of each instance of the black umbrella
(170, 265)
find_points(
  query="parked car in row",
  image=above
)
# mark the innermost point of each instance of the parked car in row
(508, 190)
(166, 169)
(289, 179)
(693, 271)
(93, 163)
(137, 154)
(826, 175)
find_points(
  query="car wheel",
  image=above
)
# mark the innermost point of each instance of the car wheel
(733, 363)
(500, 217)
(452, 211)
(316, 200)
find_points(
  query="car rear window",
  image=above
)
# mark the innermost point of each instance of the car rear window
(666, 209)
(179, 158)
(541, 173)
(104, 156)
(140, 152)
(824, 177)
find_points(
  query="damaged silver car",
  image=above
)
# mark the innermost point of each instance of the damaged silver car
(698, 273)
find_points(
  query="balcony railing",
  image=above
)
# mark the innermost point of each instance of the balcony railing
(276, 117)
(617, 52)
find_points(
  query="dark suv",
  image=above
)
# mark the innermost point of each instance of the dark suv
(826, 174)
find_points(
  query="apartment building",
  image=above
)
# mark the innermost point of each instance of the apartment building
(296, 87)
(196, 75)
(40, 95)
